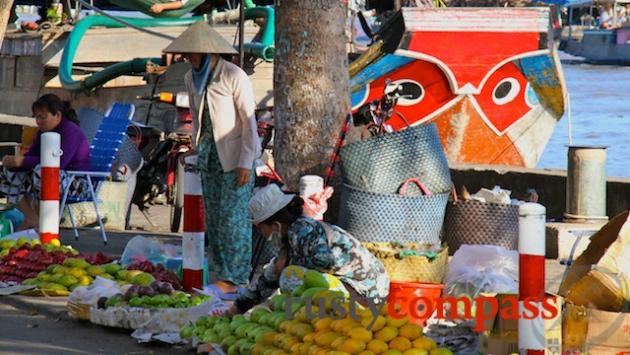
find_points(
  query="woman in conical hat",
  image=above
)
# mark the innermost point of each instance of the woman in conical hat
(226, 140)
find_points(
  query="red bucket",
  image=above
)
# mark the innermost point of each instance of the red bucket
(414, 299)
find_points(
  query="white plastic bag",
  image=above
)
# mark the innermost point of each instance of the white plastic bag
(477, 269)
(101, 287)
(140, 248)
(482, 268)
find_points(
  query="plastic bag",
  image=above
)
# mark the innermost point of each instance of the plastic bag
(140, 248)
(101, 287)
(476, 269)
(28, 234)
(482, 268)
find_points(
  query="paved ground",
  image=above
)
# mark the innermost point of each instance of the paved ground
(31, 325)
(34, 325)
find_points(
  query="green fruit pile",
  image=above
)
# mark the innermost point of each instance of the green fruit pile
(73, 273)
(236, 336)
(158, 295)
(6, 245)
(300, 328)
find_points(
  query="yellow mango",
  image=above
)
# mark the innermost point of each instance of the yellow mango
(361, 334)
(337, 343)
(323, 324)
(352, 346)
(309, 338)
(395, 322)
(377, 346)
(326, 338)
(340, 325)
(399, 343)
(410, 331)
(268, 338)
(295, 349)
(379, 323)
(424, 342)
(386, 334)
(414, 351)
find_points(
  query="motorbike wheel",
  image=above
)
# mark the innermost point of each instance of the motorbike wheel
(178, 201)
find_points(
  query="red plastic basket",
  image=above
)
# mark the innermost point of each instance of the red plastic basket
(410, 295)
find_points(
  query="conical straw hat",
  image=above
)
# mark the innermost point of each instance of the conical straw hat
(200, 38)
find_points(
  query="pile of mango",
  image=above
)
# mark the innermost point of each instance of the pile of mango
(299, 328)
(75, 272)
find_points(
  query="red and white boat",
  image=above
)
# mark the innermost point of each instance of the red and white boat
(488, 77)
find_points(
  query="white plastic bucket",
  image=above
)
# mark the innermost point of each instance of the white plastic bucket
(310, 185)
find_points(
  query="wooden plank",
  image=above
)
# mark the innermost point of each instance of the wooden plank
(491, 19)
(17, 120)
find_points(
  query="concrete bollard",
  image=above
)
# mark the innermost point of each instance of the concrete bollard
(586, 185)
(194, 227)
(50, 158)
(531, 288)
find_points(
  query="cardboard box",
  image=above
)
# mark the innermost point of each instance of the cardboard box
(600, 277)
(502, 337)
(596, 332)
(494, 344)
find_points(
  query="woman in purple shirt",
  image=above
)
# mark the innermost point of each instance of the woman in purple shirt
(21, 173)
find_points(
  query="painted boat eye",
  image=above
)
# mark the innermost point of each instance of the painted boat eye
(411, 92)
(505, 91)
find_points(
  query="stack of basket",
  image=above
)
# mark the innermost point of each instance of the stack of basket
(396, 187)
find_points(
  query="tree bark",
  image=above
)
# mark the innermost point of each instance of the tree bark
(310, 85)
(5, 13)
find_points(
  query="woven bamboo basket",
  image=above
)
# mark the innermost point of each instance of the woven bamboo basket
(403, 267)
(78, 310)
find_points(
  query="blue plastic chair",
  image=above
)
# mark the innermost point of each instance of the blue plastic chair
(103, 150)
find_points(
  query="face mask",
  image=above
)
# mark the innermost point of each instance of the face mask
(275, 238)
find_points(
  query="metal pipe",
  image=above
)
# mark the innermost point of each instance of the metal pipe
(74, 39)
(260, 50)
(268, 14)
(586, 184)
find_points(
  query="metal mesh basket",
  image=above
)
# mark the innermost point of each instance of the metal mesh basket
(380, 163)
(374, 217)
(475, 222)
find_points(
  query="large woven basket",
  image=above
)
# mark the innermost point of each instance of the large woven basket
(374, 217)
(380, 163)
(402, 267)
(475, 222)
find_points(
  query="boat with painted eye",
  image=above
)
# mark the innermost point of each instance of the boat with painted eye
(489, 78)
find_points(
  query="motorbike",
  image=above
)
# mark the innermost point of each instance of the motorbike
(160, 181)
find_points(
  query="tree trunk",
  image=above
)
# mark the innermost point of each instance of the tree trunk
(5, 13)
(310, 85)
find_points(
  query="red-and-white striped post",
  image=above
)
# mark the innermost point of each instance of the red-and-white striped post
(50, 158)
(531, 249)
(194, 226)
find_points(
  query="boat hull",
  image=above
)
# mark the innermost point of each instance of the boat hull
(610, 47)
